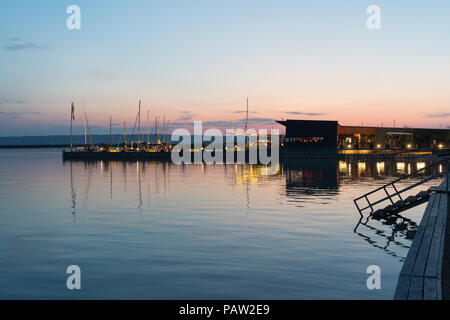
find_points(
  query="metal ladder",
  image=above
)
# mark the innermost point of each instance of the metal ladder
(397, 194)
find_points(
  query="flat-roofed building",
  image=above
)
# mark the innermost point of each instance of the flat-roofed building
(315, 137)
(319, 134)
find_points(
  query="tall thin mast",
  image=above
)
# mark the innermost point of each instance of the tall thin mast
(148, 128)
(139, 126)
(72, 109)
(84, 124)
(125, 135)
(164, 130)
(156, 129)
(110, 131)
(89, 130)
(167, 131)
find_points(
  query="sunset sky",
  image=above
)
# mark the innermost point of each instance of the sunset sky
(199, 60)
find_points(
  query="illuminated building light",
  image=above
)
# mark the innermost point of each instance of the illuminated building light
(342, 166)
(420, 165)
(361, 166)
(380, 167)
(401, 167)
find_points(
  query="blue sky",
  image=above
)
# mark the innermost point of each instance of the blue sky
(199, 60)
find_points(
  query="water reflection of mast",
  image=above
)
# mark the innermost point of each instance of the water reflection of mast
(86, 190)
(74, 196)
(156, 179)
(110, 182)
(148, 186)
(124, 165)
(140, 187)
(248, 194)
(165, 177)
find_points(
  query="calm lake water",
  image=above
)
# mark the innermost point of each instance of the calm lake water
(163, 231)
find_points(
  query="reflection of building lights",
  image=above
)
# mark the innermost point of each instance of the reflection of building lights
(253, 173)
(400, 167)
(269, 171)
(361, 166)
(420, 165)
(380, 167)
(342, 166)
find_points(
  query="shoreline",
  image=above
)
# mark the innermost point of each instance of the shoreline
(36, 146)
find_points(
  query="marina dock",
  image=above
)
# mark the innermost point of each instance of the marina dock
(423, 273)
(116, 156)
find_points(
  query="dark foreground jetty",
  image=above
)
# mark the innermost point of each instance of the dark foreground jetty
(424, 275)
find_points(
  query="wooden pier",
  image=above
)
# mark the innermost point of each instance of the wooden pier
(421, 275)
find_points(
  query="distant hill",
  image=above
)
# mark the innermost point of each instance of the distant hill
(59, 140)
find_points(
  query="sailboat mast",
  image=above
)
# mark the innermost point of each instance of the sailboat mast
(110, 131)
(148, 128)
(89, 130)
(139, 126)
(167, 132)
(125, 135)
(156, 129)
(84, 124)
(71, 118)
(164, 130)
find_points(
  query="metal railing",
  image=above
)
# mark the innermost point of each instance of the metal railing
(398, 193)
